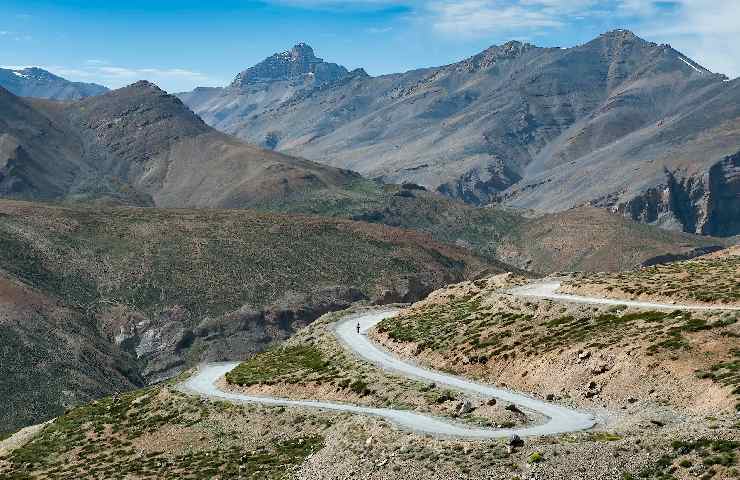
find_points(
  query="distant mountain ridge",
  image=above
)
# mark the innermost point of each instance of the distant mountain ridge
(139, 145)
(604, 123)
(39, 83)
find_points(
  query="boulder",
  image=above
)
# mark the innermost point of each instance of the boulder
(464, 407)
(513, 408)
(515, 441)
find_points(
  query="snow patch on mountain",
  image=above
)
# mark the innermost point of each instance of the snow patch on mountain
(690, 65)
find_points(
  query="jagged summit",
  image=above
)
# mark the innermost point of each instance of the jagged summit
(299, 64)
(145, 85)
(302, 51)
(488, 57)
(620, 33)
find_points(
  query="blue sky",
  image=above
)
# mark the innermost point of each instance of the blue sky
(182, 44)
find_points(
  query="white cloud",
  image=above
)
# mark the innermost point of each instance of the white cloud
(378, 30)
(472, 18)
(706, 30)
(170, 79)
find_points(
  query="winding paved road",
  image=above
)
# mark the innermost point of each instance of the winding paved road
(549, 290)
(559, 419)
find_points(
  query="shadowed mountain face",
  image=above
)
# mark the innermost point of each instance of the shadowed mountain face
(140, 146)
(605, 123)
(38, 83)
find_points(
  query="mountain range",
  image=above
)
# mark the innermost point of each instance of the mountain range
(140, 146)
(39, 83)
(618, 123)
(243, 243)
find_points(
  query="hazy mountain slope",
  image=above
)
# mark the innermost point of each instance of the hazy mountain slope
(507, 117)
(39, 156)
(138, 145)
(681, 172)
(36, 82)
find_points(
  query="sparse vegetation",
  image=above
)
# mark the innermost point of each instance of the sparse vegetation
(103, 269)
(314, 365)
(713, 279)
(290, 364)
(465, 325)
(104, 439)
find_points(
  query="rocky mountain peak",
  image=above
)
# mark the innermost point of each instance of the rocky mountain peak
(620, 39)
(302, 52)
(487, 58)
(621, 33)
(145, 85)
(299, 64)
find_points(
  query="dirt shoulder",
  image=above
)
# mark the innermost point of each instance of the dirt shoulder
(712, 279)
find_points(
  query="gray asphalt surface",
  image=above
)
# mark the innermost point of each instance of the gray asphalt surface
(559, 419)
(550, 290)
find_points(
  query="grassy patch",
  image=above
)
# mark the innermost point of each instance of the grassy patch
(288, 364)
(98, 440)
(706, 280)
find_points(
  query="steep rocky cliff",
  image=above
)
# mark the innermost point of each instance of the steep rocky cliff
(707, 204)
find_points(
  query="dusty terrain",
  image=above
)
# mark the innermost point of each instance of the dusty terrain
(641, 371)
(663, 384)
(707, 280)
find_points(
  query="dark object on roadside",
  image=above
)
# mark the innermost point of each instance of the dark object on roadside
(515, 441)
(404, 194)
(513, 408)
(412, 186)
